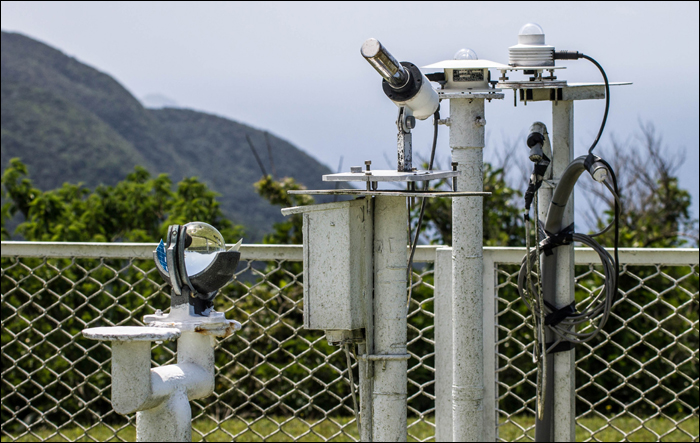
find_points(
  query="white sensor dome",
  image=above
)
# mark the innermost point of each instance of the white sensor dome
(466, 54)
(531, 34)
(531, 29)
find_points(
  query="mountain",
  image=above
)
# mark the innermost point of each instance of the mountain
(70, 122)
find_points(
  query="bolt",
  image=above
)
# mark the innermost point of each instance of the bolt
(368, 163)
(410, 122)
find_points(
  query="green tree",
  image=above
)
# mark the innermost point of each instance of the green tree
(140, 208)
(655, 210)
(287, 232)
(502, 217)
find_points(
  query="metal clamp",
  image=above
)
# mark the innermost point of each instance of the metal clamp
(384, 358)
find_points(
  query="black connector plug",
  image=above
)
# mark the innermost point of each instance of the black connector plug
(567, 55)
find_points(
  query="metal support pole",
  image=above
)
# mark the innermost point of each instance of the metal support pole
(443, 344)
(559, 289)
(467, 142)
(390, 376)
(564, 362)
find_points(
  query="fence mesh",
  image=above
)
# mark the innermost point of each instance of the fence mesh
(276, 381)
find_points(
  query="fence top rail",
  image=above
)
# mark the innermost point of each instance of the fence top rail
(424, 254)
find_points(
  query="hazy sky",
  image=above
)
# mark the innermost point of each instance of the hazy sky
(295, 69)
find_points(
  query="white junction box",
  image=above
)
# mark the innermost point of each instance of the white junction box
(337, 263)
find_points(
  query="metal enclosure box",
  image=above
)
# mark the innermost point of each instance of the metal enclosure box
(337, 264)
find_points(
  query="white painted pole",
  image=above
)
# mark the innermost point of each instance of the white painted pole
(390, 376)
(562, 139)
(467, 142)
(443, 344)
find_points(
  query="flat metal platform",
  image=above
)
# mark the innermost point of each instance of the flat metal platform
(487, 94)
(388, 175)
(390, 193)
(553, 84)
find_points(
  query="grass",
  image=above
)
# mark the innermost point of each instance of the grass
(330, 430)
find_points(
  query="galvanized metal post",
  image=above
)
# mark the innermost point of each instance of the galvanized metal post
(390, 375)
(562, 369)
(443, 344)
(467, 143)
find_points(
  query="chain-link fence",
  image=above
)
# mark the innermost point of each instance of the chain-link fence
(276, 381)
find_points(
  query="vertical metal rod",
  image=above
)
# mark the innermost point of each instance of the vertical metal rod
(367, 348)
(558, 280)
(390, 262)
(467, 142)
(443, 344)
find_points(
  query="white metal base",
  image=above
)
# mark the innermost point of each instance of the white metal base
(388, 175)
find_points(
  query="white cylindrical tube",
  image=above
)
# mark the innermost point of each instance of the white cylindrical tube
(424, 103)
(467, 142)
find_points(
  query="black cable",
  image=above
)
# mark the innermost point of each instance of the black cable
(607, 100)
(618, 210)
(409, 270)
(574, 55)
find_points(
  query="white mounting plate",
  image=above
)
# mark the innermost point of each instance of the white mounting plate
(466, 64)
(384, 193)
(553, 84)
(214, 324)
(583, 85)
(131, 333)
(487, 94)
(530, 68)
(526, 84)
(389, 175)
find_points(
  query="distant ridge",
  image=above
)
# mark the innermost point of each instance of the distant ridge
(70, 122)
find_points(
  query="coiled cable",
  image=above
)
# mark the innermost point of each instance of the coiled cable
(596, 311)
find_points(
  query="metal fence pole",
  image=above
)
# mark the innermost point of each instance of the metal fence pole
(490, 338)
(443, 344)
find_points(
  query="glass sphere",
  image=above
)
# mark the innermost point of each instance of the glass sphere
(531, 29)
(466, 54)
(202, 242)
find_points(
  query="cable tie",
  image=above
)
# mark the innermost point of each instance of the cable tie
(559, 315)
(563, 237)
(563, 346)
